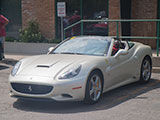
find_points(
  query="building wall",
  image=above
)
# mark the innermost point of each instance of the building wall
(43, 12)
(141, 9)
(144, 9)
(114, 13)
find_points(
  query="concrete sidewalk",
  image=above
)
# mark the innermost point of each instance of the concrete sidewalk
(12, 59)
(154, 53)
(16, 56)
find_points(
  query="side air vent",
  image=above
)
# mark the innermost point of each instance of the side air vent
(45, 65)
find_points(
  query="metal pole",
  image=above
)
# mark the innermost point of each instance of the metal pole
(107, 13)
(158, 37)
(62, 28)
(81, 12)
(117, 29)
(56, 20)
(158, 26)
(81, 27)
(64, 34)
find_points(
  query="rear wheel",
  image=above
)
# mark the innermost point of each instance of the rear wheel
(146, 70)
(94, 88)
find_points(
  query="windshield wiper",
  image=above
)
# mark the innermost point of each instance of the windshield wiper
(66, 53)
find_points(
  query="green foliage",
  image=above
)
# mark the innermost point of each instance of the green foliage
(11, 39)
(31, 33)
(54, 41)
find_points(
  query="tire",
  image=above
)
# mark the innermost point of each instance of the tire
(94, 88)
(146, 70)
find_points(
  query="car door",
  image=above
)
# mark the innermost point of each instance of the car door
(120, 67)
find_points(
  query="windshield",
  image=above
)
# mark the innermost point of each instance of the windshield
(85, 46)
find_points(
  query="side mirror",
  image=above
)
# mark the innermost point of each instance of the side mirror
(50, 49)
(121, 52)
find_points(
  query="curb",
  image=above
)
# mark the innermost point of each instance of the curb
(11, 62)
(156, 70)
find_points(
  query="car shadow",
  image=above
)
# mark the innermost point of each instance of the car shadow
(108, 100)
(2, 67)
(7, 61)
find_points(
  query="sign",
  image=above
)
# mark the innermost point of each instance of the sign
(61, 9)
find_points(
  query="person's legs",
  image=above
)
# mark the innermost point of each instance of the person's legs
(2, 39)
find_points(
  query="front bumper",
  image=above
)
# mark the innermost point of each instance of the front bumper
(62, 90)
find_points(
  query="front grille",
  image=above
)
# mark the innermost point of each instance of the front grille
(31, 88)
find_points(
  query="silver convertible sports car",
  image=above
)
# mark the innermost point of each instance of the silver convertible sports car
(81, 69)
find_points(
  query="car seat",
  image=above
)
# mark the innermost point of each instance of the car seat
(115, 48)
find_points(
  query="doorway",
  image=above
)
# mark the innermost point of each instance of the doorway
(126, 14)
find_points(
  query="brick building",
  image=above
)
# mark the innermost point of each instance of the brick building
(45, 13)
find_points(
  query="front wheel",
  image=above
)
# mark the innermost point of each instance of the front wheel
(146, 70)
(94, 88)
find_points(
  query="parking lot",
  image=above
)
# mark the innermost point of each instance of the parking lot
(131, 102)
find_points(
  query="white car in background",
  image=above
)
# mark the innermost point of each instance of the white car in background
(81, 69)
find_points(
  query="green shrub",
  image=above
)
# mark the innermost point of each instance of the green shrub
(54, 41)
(31, 33)
(10, 39)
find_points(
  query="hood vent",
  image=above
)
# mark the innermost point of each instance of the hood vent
(46, 66)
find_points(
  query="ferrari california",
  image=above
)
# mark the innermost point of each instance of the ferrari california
(81, 69)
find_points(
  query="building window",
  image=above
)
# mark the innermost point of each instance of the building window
(89, 11)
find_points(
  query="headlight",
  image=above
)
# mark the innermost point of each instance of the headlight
(70, 73)
(16, 68)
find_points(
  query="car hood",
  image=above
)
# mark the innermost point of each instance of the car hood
(51, 65)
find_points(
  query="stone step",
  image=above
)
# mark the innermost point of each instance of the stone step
(156, 61)
(156, 70)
